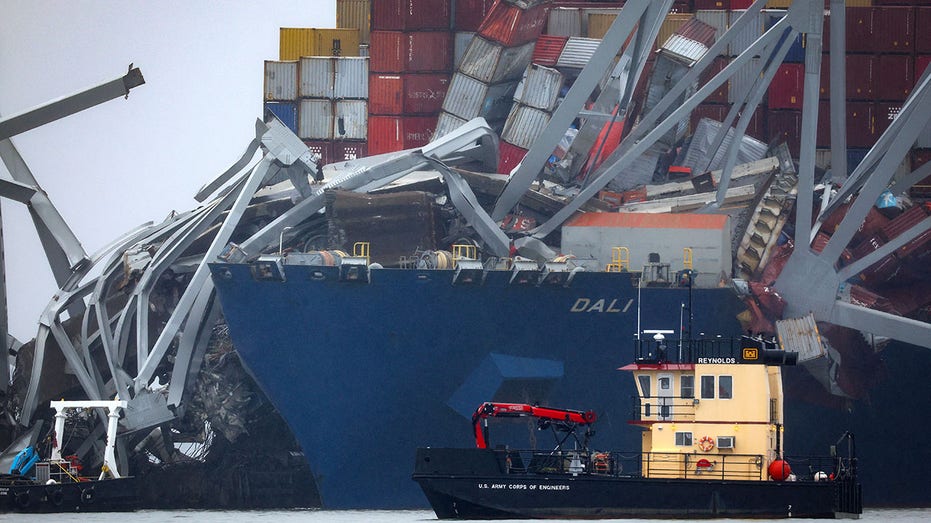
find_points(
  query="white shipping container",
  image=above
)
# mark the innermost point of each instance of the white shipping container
(280, 80)
(446, 124)
(350, 120)
(577, 52)
(743, 80)
(315, 119)
(748, 35)
(468, 98)
(564, 21)
(539, 87)
(524, 125)
(491, 62)
(684, 49)
(351, 77)
(461, 41)
(317, 77)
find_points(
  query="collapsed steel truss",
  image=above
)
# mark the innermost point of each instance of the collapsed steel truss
(116, 323)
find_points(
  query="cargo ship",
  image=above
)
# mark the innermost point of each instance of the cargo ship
(712, 427)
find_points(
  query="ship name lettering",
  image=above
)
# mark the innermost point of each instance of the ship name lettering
(717, 360)
(602, 305)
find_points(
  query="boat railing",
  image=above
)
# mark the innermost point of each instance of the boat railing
(663, 408)
(703, 350)
(670, 465)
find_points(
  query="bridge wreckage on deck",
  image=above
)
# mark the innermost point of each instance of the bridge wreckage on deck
(139, 320)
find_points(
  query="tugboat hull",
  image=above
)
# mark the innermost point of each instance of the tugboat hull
(491, 494)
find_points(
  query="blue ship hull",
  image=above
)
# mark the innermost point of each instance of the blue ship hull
(366, 372)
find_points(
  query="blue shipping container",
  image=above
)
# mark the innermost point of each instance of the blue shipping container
(286, 112)
(796, 54)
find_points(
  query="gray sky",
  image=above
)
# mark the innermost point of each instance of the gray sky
(126, 162)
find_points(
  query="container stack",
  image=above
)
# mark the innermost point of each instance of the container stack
(492, 65)
(411, 60)
(318, 88)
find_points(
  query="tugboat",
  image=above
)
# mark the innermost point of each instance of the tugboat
(712, 418)
(56, 484)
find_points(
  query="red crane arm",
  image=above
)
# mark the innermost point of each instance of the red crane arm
(514, 410)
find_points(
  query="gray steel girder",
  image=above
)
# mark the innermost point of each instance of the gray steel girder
(68, 105)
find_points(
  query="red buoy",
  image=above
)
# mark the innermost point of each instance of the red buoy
(779, 470)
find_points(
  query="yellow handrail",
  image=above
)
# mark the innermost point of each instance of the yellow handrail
(464, 252)
(361, 250)
(620, 260)
(687, 258)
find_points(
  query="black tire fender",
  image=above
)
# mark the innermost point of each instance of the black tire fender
(87, 495)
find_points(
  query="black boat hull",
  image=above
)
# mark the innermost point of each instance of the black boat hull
(481, 492)
(109, 495)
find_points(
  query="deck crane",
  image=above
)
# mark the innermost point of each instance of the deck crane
(562, 420)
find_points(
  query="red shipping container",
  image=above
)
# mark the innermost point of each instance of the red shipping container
(719, 95)
(410, 15)
(397, 52)
(921, 64)
(861, 74)
(470, 14)
(321, 148)
(512, 26)
(786, 126)
(880, 29)
(886, 112)
(394, 133)
(895, 77)
(722, 4)
(704, 110)
(785, 91)
(920, 157)
(509, 156)
(904, 221)
(861, 122)
(922, 35)
(396, 94)
(548, 49)
(345, 150)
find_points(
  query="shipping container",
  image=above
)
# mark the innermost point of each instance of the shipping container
(745, 38)
(861, 121)
(524, 125)
(786, 125)
(539, 88)
(896, 74)
(469, 98)
(886, 113)
(297, 42)
(322, 151)
(407, 93)
(785, 91)
(280, 80)
(715, 112)
(354, 14)
(346, 150)
(397, 52)
(598, 24)
(712, 4)
(511, 25)
(880, 29)
(410, 15)
(671, 24)
(350, 119)
(577, 52)
(564, 21)
(394, 133)
(286, 112)
(719, 95)
(489, 62)
(742, 81)
(717, 19)
(861, 72)
(446, 123)
(461, 41)
(315, 121)
(352, 77)
(922, 34)
(796, 53)
(509, 157)
(547, 49)
(316, 77)
(469, 14)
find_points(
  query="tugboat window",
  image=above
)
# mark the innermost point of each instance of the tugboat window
(726, 387)
(707, 387)
(644, 385)
(684, 439)
(687, 385)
